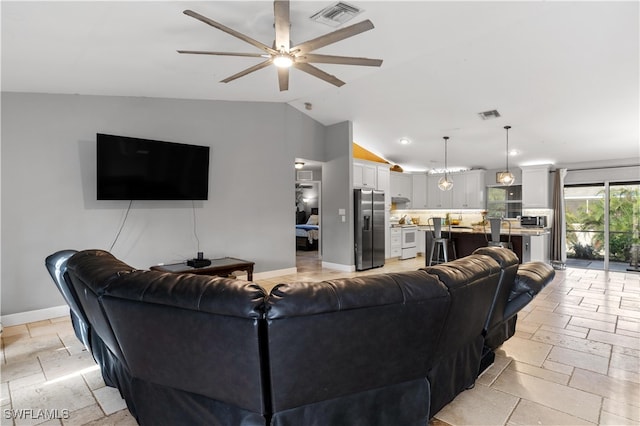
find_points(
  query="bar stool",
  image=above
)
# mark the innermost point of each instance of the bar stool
(496, 230)
(440, 242)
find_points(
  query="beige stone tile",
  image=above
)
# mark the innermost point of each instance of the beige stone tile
(571, 401)
(576, 343)
(65, 318)
(612, 419)
(93, 378)
(625, 351)
(586, 313)
(558, 367)
(542, 373)
(590, 323)
(48, 328)
(579, 330)
(479, 406)
(625, 362)
(579, 359)
(84, 415)
(614, 339)
(4, 393)
(32, 380)
(17, 348)
(491, 373)
(109, 400)
(528, 351)
(548, 318)
(71, 394)
(628, 313)
(21, 368)
(629, 333)
(527, 327)
(631, 376)
(609, 387)
(529, 413)
(70, 364)
(569, 330)
(622, 409)
(15, 330)
(72, 344)
(628, 325)
(121, 418)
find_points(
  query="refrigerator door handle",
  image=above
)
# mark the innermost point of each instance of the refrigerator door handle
(366, 225)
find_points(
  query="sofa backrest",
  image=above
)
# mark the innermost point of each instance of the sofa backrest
(472, 282)
(333, 338)
(509, 263)
(90, 272)
(193, 333)
(56, 264)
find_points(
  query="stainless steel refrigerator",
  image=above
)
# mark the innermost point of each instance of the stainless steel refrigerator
(369, 228)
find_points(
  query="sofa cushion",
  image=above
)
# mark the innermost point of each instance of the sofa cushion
(531, 278)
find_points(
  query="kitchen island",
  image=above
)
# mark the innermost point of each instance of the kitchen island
(528, 244)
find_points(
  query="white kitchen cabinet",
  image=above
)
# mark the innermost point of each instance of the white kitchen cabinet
(437, 199)
(365, 175)
(395, 237)
(535, 186)
(469, 190)
(535, 248)
(401, 185)
(419, 191)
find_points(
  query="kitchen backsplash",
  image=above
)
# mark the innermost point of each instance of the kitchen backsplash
(466, 217)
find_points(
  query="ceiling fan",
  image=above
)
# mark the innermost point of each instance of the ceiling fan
(283, 55)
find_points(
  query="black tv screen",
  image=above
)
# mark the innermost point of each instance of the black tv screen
(142, 169)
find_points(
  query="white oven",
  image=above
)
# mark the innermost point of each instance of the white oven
(409, 241)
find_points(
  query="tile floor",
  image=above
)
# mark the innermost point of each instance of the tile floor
(575, 360)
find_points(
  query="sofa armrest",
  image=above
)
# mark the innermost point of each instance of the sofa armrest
(531, 278)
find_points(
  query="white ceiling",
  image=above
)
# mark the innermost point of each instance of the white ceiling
(564, 75)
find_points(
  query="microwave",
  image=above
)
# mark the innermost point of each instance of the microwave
(533, 221)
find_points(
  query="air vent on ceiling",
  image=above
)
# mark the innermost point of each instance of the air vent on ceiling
(336, 14)
(487, 115)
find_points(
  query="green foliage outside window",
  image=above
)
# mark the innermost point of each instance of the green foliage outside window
(624, 216)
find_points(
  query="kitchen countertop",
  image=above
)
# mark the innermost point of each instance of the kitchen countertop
(461, 229)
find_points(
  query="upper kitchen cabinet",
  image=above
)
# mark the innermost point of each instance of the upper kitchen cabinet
(469, 190)
(419, 191)
(535, 186)
(401, 185)
(364, 175)
(436, 198)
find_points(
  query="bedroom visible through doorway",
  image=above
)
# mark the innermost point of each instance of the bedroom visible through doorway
(308, 214)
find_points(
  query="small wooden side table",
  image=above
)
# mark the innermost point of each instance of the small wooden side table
(222, 267)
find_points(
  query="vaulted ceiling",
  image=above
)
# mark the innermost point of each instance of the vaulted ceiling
(564, 75)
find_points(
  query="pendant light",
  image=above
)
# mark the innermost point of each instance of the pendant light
(506, 177)
(445, 184)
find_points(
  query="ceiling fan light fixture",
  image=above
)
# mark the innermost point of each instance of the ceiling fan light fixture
(283, 60)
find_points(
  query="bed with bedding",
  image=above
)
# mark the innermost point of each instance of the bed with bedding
(307, 234)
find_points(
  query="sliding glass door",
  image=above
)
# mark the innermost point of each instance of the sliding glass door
(602, 224)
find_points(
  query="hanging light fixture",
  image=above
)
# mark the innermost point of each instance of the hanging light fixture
(506, 177)
(445, 184)
(298, 165)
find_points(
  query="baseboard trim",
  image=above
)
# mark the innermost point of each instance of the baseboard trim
(37, 315)
(338, 266)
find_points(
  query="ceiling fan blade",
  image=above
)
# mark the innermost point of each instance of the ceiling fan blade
(340, 60)
(282, 24)
(248, 71)
(283, 79)
(333, 37)
(316, 72)
(204, 52)
(230, 31)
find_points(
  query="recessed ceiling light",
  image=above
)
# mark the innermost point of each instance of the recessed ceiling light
(514, 152)
(405, 141)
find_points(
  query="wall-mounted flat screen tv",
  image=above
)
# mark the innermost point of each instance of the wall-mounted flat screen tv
(143, 169)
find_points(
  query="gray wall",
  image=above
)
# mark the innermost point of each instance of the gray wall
(337, 193)
(48, 185)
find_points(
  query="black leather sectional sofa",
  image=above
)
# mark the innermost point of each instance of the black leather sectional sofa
(387, 349)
